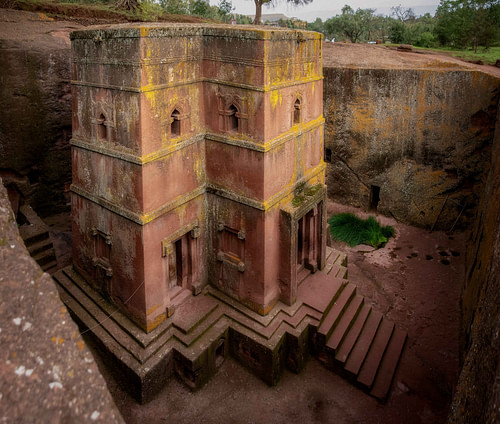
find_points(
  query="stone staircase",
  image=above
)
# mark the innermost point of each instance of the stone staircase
(329, 320)
(353, 339)
(35, 235)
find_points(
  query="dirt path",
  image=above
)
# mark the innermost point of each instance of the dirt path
(415, 280)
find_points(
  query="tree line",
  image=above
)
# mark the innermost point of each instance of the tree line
(457, 23)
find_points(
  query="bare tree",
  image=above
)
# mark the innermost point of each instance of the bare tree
(259, 3)
(403, 14)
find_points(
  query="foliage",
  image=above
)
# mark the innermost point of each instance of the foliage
(259, 3)
(149, 11)
(468, 23)
(413, 32)
(352, 230)
(354, 25)
(175, 7)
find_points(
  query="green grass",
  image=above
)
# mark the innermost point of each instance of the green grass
(352, 230)
(488, 56)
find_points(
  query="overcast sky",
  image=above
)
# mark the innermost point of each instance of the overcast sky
(327, 8)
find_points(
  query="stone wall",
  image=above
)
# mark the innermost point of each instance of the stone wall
(35, 100)
(47, 374)
(419, 136)
(477, 398)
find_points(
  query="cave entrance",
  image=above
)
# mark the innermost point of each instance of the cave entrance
(374, 197)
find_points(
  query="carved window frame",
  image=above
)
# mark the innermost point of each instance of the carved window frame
(176, 114)
(225, 104)
(223, 253)
(102, 259)
(103, 122)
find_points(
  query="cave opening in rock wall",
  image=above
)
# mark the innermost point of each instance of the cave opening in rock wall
(374, 197)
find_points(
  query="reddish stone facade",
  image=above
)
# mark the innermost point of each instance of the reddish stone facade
(197, 159)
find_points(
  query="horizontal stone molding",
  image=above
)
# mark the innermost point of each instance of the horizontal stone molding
(149, 88)
(143, 219)
(295, 131)
(273, 200)
(131, 157)
(138, 218)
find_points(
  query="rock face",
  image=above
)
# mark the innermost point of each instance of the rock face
(477, 398)
(47, 374)
(412, 143)
(35, 100)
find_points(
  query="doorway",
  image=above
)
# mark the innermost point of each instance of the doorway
(374, 197)
(180, 266)
(308, 242)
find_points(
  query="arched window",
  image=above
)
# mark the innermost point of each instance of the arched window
(102, 133)
(232, 119)
(296, 112)
(175, 125)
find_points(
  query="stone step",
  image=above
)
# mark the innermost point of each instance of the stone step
(192, 312)
(352, 335)
(50, 267)
(180, 297)
(372, 361)
(339, 271)
(32, 235)
(331, 320)
(346, 322)
(45, 257)
(320, 291)
(336, 257)
(302, 275)
(365, 339)
(388, 366)
(40, 246)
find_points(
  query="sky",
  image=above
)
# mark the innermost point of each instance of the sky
(325, 9)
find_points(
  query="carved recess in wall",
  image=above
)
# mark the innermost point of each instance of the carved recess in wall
(233, 113)
(103, 122)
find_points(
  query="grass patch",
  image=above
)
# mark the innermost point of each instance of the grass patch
(487, 56)
(352, 230)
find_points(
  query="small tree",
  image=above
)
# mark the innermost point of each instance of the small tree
(464, 23)
(225, 7)
(352, 24)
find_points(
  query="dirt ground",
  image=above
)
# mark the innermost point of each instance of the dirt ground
(379, 56)
(415, 279)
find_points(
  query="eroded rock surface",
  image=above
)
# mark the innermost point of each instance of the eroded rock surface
(47, 374)
(408, 134)
(35, 104)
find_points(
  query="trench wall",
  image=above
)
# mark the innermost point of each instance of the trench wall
(35, 109)
(47, 374)
(422, 136)
(477, 397)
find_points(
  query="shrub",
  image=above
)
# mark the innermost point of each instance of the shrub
(352, 230)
